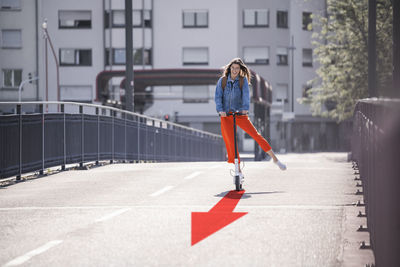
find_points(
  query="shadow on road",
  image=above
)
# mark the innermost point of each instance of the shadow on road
(248, 194)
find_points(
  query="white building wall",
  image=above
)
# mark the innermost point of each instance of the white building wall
(71, 38)
(170, 36)
(302, 39)
(20, 58)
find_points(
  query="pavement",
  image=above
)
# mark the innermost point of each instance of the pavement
(140, 215)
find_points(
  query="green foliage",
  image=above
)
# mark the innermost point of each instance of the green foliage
(341, 49)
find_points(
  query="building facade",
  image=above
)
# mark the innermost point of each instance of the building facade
(88, 37)
(18, 49)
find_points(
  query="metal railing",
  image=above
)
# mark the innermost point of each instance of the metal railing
(376, 150)
(35, 136)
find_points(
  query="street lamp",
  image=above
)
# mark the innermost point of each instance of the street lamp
(292, 48)
(46, 36)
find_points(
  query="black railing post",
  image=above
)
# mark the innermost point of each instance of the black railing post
(112, 135)
(19, 141)
(98, 136)
(41, 110)
(82, 136)
(64, 139)
(124, 114)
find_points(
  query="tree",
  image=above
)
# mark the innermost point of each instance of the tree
(341, 49)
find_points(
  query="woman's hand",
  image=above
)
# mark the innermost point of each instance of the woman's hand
(244, 112)
(222, 114)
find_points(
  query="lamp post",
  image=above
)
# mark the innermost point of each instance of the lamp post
(46, 36)
(292, 48)
(129, 99)
(291, 117)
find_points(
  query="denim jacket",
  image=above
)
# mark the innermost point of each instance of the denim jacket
(232, 98)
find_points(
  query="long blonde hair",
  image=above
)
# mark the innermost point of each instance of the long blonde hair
(244, 70)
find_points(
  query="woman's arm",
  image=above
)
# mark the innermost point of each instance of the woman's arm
(218, 96)
(245, 96)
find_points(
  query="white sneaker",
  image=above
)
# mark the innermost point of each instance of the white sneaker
(280, 165)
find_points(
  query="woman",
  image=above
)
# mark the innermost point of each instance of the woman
(232, 94)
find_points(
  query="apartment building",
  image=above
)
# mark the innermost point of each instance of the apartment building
(273, 38)
(18, 49)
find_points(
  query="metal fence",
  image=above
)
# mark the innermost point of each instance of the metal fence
(38, 135)
(376, 149)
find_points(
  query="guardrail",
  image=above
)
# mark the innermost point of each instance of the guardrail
(376, 149)
(35, 136)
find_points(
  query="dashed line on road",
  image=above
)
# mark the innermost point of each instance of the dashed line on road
(159, 192)
(111, 215)
(190, 176)
(24, 258)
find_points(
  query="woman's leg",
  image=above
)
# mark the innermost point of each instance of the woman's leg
(227, 134)
(245, 123)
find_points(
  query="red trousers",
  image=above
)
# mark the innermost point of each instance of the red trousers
(244, 123)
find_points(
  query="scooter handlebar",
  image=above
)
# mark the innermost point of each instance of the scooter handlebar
(236, 113)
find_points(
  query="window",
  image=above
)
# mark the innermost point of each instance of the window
(282, 56)
(11, 39)
(195, 94)
(307, 57)
(195, 18)
(281, 92)
(74, 19)
(282, 19)
(140, 56)
(119, 56)
(118, 18)
(10, 4)
(195, 56)
(139, 18)
(255, 18)
(256, 55)
(12, 78)
(307, 21)
(81, 93)
(75, 57)
(147, 18)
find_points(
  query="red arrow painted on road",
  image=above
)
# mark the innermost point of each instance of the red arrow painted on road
(205, 224)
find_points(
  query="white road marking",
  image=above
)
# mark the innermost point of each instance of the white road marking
(24, 258)
(159, 192)
(111, 215)
(190, 176)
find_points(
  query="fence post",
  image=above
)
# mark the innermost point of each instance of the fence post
(64, 139)
(125, 134)
(138, 137)
(98, 136)
(112, 135)
(41, 110)
(19, 141)
(82, 136)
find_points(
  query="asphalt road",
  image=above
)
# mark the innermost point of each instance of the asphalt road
(140, 215)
